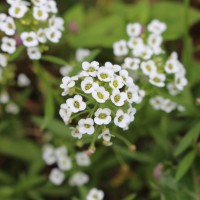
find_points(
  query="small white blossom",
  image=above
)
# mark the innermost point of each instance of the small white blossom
(180, 81)
(3, 60)
(41, 35)
(134, 29)
(12, 108)
(121, 119)
(82, 159)
(135, 43)
(81, 54)
(51, 6)
(118, 98)
(115, 68)
(78, 179)
(88, 85)
(127, 79)
(156, 27)
(23, 80)
(8, 26)
(105, 74)
(56, 176)
(65, 113)
(56, 23)
(171, 66)
(40, 13)
(64, 163)
(61, 152)
(143, 52)
(154, 40)
(116, 82)
(65, 70)
(86, 126)
(48, 154)
(132, 94)
(100, 94)
(102, 116)
(76, 133)
(120, 48)
(17, 10)
(53, 35)
(34, 53)
(105, 135)
(95, 194)
(4, 97)
(76, 104)
(157, 79)
(91, 68)
(131, 112)
(172, 89)
(148, 67)
(29, 39)
(131, 63)
(8, 45)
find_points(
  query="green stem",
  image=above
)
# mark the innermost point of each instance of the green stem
(123, 139)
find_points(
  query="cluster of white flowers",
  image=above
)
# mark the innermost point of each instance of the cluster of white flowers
(31, 23)
(61, 157)
(10, 106)
(97, 97)
(95, 194)
(145, 58)
(166, 105)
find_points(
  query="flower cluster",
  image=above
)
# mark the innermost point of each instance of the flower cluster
(145, 58)
(31, 23)
(65, 163)
(98, 97)
(166, 105)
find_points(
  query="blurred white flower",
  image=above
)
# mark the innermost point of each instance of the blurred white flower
(81, 54)
(56, 176)
(23, 80)
(95, 194)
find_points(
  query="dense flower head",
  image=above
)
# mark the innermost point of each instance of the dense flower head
(31, 23)
(97, 98)
(146, 60)
(65, 162)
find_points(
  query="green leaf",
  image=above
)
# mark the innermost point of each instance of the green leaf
(188, 139)
(55, 60)
(23, 149)
(130, 197)
(172, 13)
(17, 54)
(185, 165)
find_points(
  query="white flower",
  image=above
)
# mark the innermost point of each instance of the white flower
(105, 74)
(156, 102)
(34, 53)
(53, 35)
(56, 23)
(61, 152)
(171, 66)
(168, 106)
(105, 135)
(40, 13)
(39, 2)
(8, 45)
(82, 159)
(76, 104)
(115, 68)
(76, 133)
(148, 67)
(121, 119)
(4, 97)
(135, 43)
(12, 108)
(131, 63)
(91, 68)
(41, 35)
(51, 6)
(116, 82)
(3, 60)
(132, 94)
(131, 112)
(127, 79)
(86, 126)
(95, 194)
(100, 94)
(120, 48)
(23, 80)
(78, 179)
(17, 10)
(156, 27)
(64, 163)
(48, 154)
(118, 98)
(81, 54)
(154, 40)
(102, 116)
(141, 94)
(8, 27)
(157, 79)
(143, 52)
(172, 89)
(67, 82)
(65, 113)
(88, 85)
(134, 29)
(180, 81)
(56, 176)
(65, 70)
(29, 39)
